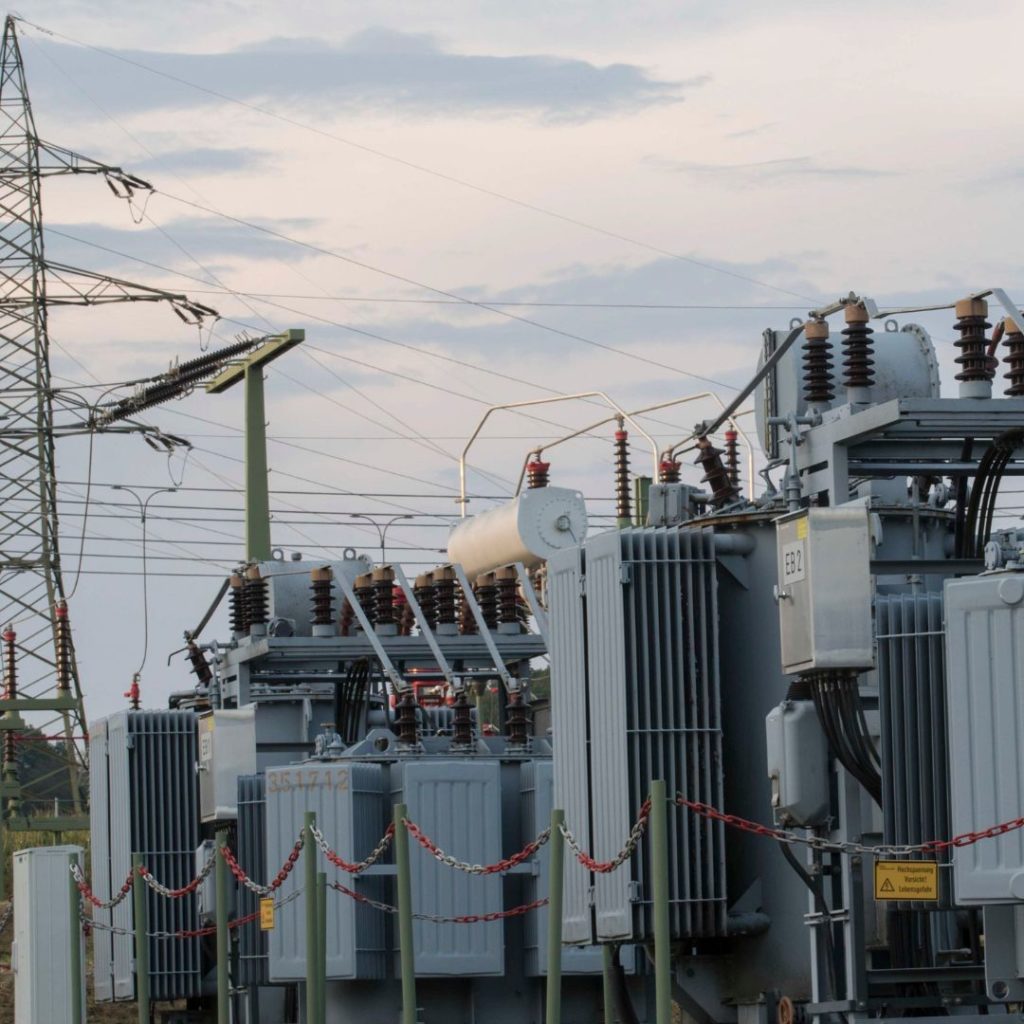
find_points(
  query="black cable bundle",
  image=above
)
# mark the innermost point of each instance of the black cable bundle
(350, 700)
(982, 506)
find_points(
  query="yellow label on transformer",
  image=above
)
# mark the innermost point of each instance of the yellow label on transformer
(267, 915)
(801, 529)
(906, 880)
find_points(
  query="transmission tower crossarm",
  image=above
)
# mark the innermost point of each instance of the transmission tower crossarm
(54, 159)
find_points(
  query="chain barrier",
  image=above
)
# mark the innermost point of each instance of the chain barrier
(828, 846)
(187, 889)
(498, 868)
(494, 915)
(605, 867)
(357, 867)
(279, 879)
(83, 888)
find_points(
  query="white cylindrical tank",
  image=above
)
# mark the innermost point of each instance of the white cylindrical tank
(528, 529)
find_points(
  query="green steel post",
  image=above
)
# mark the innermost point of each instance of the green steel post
(257, 492)
(3, 857)
(223, 937)
(141, 940)
(321, 947)
(75, 937)
(660, 897)
(312, 932)
(641, 498)
(556, 874)
(607, 967)
(405, 947)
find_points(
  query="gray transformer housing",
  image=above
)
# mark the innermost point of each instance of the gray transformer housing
(985, 659)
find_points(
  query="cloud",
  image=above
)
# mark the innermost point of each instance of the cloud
(206, 160)
(775, 170)
(377, 68)
(755, 130)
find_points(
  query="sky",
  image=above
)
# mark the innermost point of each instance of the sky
(636, 191)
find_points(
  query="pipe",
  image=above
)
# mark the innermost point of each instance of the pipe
(221, 902)
(556, 875)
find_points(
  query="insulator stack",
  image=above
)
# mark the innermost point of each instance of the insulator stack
(403, 612)
(818, 379)
(200, 666)
(487, 595)
(383, 596)
(732, 457)
(365, 595)
(444, 598)
(507, 586)
(467, 623)
(1014, 344)
(623, 503)
(975, 367)
(517, 720)
(405, 719)
(63, 646)
(462, 721)
(10, 693)
(239, 616)
(423, 591)
(321, 583)
(256, 597)
(668, 470)
(858, 349)
(346, 619)
(709, 458)
(537, 474)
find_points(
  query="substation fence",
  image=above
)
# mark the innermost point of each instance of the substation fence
(652, 818)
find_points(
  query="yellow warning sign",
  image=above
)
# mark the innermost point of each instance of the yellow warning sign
(906, 880)
(267, 915)
(801, 529)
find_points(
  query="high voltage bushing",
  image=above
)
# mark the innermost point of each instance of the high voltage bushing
(537, 474)
(462, 721)
(10, 693)
(858, 349)
(321, 585)
(732, 457)
(444, 598)
(668, 470)
(63, 646)
(509, 610)
(467, 623)
(623, 509)
(200, 666)
(976, 370)
(517, 721)
(405, 719)
(365, 595)
(256, 598)
(423, 591)
(347, 618)
(487, 595)
(384, 598)
(403, 612)
(1014, 343)
(818, 378)
(709, 458)
(238, 608)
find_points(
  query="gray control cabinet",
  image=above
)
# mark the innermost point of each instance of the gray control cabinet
(824, 589)
(227, 749)
(984, 678)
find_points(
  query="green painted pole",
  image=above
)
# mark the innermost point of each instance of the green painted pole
(312, 932)
(141, 940)
(257, 488)
(75, 906)
(405, 947)
(556, 877)
(321, 948)
(223, 937)
(607, 970)
(660, 897)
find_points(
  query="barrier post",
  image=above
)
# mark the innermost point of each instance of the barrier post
(141, 940)
(321, 947)
(406, 952)
(312, 932)
(556, 875)
(221, 907)
(660, 898)
(607, 969)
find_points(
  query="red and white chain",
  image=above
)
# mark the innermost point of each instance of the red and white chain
(359, 866)
(848, 847)
(498, 868)
(187, 889)
(242, 878)
(605, 867)
(83, 888)
(494, 915)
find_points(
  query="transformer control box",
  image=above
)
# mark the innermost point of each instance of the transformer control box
(798, 766)
(824, 589)
(227, 749)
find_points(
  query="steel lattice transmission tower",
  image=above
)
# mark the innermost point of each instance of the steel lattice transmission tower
(41, 672)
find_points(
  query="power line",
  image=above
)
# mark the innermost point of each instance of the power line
(441, 175)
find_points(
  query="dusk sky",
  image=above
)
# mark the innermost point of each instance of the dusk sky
(639, 190)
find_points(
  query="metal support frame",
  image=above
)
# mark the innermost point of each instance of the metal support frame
(396, 678)
(485, 632)
(425, 631)
(540, 615)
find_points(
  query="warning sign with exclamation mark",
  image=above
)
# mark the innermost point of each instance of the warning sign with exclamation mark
(906, 880)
